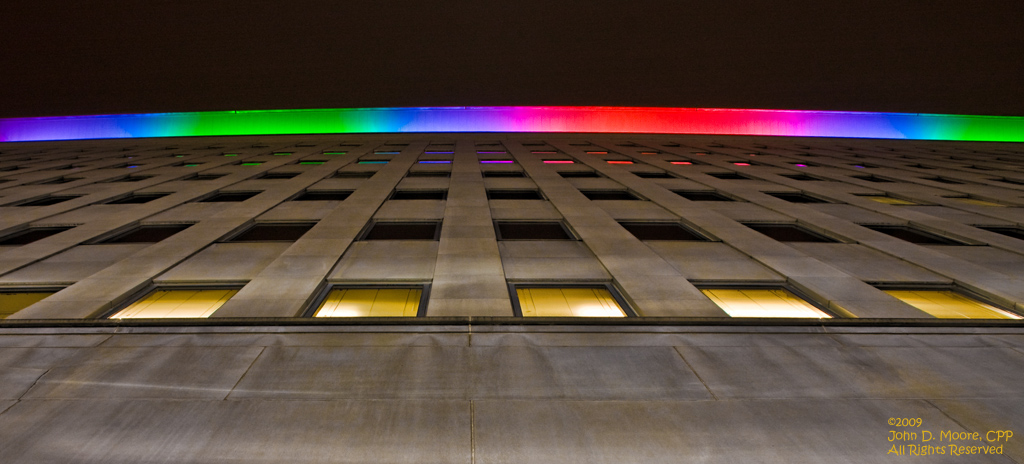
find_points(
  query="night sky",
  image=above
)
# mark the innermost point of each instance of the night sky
(92, 57)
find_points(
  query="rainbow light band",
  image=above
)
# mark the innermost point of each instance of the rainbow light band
(551, 119)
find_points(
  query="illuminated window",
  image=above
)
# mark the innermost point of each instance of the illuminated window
(567, 302)
(947, 304)
(177, 303)
(12, 302)
(762, 303)
(888, 200)
(371, 302)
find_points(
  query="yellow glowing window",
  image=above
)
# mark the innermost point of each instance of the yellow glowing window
(888, 200)
(568, 302)
(12, 302)
(945, 304)
(177, 303)
(762, 303)
(974, 201)
(371, 302)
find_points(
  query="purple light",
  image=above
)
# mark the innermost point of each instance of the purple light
(496, 161)
(435, 162)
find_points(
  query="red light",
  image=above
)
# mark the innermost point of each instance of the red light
(557, 161)
(619, 162)
(597, 153)
(742, 164)
(681, 162)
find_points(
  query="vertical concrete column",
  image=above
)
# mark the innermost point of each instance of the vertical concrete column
(283, 287)
(468, 277)
(654, 287)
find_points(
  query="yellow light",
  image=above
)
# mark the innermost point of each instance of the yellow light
(888, 200)
(762, 303)
(945, 304)
(11, 303)
(974, 201)
(371, 302)
(568, 302)
(177, 303)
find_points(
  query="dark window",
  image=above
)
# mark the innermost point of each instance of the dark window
(137, 199)
(660, 231)
(129, 179)
(920, 166)
(1007, 231)
(147, 234)
(272, 233)
(796, 197)
(702, 196)
(1010, 181)
(872, 179)
(419, 195)
(942, 180)
(403, 231)
(654, 175)
(428, 174)
(504, 174)
(531, 231)
(229, 197)
(788, 233)
(800, 177)
(727, 175)
(47, 201)
(30, 235)
(575, 174)
(278, 175)
(609, 195)
(913, 235)
(204, 177)
(60, 180)
(354, 174)
(514, 195)
(331, 195)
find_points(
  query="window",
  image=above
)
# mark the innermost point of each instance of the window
(59, 180)
(354, 174)
(147, 234)
(788, 233)
(888, 200)
(429, 174)
(1006, 180)
(531, 231)
(872, 179)
(578, 174)
(135, 199)
(609, 195)
(372, 302)
(654, 175)
(278, 175)
(758, 302)
(974, 201)
(176, 303)
(273, 232)
(326, 195)
(567, 302)
(942, 180)
(504, 174)
(30, 235)
(947, 304)
(47, 201)
(204, 177)
(660, 231)
(419, 195)
(796, 197)
(130, 179)
(514, 195)
(728, 175)
(1007, 231)
(913, 235)
(221, 197)
(14, 301)
(403, 231)
(701, 196)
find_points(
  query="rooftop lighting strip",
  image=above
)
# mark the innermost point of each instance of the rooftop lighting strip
(549, 119)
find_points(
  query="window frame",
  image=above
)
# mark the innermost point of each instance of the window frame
(565, 228)
(517, 309)
(152, 288)
(231, 236)
(361, 237)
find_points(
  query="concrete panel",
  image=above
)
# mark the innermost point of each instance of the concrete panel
(125, 431)
(611, 373)
(387, 261)
(178, 372)
(984, 415)
(74, 264)
(712, 261)
(225, 262)
(289, 339)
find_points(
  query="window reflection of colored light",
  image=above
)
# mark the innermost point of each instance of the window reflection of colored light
(496, 161)
(649, 153)
(373, 162)
(490, 152)
(741, 164)
(231, 154)
(386, 152)
(132, 166)
(619, 162)
(681, 162)
(435, 162)
(858, 166)
(544, 152)
(251, 164)
(597, 153)
(800, 165)
(558, 162)
(439, 152)
(335, 152)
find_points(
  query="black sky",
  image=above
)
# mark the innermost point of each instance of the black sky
(90, 57)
